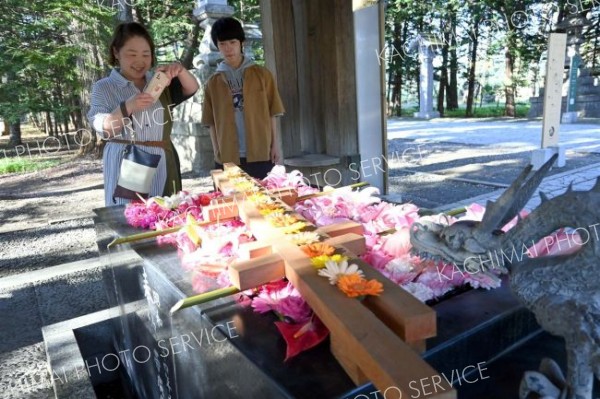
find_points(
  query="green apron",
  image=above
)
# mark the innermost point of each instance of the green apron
(173, 183)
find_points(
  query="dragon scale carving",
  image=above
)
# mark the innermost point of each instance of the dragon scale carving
(562, 291)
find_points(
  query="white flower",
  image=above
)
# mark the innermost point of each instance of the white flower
(334, 270)
(306, 237)
(399, 265)
(420, 291)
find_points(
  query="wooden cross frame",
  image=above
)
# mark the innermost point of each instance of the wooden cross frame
(364, 335)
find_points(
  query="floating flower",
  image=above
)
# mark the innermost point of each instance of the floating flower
(305, 237)
(286, 302)
(269, 208)
(317, 249)
(319, 261)
(294, 228)
(334, 270)
(258, 198)
(300, 337)
(353, 285)
(244, 186)
(419, 290)
(233, 173)
(280, 219)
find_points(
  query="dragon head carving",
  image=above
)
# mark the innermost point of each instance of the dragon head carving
(457, 243)
(467, 243)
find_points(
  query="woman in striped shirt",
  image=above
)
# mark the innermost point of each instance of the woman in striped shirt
(123, 114)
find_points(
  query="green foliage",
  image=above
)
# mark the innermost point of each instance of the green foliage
(247, 11)
(490, 111)
(38, 53)
(25, 164)
(511, 36)
(169, 23)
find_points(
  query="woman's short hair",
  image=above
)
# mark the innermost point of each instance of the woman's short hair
(124, 32)
(227, 28)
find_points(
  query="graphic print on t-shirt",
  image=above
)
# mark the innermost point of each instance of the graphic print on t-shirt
(238, 100)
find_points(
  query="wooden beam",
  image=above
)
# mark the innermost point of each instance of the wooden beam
(364, 336)
(373, 348)
(354, 243)
(252, 273)
(338, 229)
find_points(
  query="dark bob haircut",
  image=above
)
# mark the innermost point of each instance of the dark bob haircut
(124, 32)
(227, 29)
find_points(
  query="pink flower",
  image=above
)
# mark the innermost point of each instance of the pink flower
(285, 301)
(295, 308)
(419, 291)
(377, 259)
(400, 270)
(439, 286)
(397, 244)
(473, 212)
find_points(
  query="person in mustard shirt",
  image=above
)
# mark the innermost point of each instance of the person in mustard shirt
(241, 103)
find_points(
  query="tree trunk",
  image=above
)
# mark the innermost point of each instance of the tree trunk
(55, 124)
(452, 94)
(15, 133)
(396, 69)
(91, 67)
(595, 46)
(509, 89)
(443, 76)
(472, 69)
(49, 128)
(6, 130)
(191, 44)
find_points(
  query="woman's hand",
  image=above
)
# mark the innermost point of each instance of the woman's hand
(139, 102)
(171, 70)
(189, 83)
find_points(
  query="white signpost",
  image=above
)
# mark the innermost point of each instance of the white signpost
(370, 92)
(555, 65)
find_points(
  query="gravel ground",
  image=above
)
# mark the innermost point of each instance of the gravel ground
(46, 216)
(434, 174)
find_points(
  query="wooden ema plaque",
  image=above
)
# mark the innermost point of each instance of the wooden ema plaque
(378, 339)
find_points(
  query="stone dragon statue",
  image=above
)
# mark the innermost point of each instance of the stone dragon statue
(562, 291)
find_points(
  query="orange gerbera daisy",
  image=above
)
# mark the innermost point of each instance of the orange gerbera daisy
(354, 286)
(317, 249)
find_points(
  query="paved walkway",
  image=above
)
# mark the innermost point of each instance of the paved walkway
(520, 135)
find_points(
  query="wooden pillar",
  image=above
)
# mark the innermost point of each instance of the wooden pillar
(280, 57)
(309, 46)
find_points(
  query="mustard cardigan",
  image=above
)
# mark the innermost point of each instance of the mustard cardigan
(261, 103)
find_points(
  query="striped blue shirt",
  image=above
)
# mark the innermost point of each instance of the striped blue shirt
(107, 94)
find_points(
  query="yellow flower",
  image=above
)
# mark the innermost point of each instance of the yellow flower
(244, 186)
(259, 198)
(233, 173)
(282, 219)
(319, 261)
(268, 208)
(293, 228)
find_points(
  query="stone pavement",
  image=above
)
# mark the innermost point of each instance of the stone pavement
(521, 134)
(583, 179)
(482, 149)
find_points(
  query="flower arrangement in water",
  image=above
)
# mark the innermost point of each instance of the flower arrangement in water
(167, 211)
